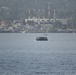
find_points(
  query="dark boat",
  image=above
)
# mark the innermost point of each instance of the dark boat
(41, 39)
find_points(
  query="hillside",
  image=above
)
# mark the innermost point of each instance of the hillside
(18, 9)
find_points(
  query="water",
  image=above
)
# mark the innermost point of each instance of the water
(21, 54)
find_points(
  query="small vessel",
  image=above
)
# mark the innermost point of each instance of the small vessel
(41, 39)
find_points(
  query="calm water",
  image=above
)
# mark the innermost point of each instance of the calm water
(20, 54)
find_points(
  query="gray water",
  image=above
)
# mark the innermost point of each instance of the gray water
(21, 54)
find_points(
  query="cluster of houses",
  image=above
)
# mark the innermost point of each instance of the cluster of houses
(35, 25)
(9, 26)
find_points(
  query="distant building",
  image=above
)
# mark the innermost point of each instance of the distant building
(63, 21)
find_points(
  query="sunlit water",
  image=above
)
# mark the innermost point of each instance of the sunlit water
(21, 54)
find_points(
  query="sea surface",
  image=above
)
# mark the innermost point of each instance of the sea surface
(21, 54)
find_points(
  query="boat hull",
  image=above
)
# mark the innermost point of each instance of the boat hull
(41, 39)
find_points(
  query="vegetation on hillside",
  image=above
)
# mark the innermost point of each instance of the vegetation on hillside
(18, 9)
